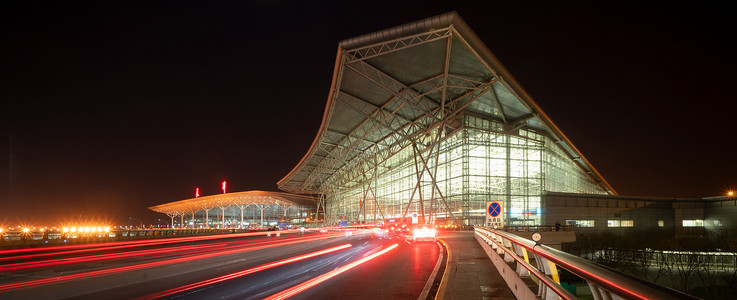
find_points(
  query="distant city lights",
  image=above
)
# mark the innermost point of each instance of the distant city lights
(86, 229)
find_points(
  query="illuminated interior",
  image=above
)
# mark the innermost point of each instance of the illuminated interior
(476, 165)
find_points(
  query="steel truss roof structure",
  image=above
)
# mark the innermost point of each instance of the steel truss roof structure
(409, 86)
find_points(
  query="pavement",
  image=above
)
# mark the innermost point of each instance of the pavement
(471, 275)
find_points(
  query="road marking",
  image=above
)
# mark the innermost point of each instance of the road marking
(446, 274)
(431, 280)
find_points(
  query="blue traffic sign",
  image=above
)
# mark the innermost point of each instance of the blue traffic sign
(495, 209)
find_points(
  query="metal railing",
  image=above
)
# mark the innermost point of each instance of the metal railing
(507, 250)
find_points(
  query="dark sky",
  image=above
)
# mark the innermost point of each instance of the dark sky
(112, 108)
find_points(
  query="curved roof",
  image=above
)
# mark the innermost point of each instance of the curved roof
(391, 87)
(230, 199)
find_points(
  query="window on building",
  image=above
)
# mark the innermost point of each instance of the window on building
(693, 223)
(580, 223)
(620, 223)
(718, 223)
(661, 223)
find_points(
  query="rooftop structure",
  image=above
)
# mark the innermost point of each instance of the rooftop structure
(249, 204)
(423, 119)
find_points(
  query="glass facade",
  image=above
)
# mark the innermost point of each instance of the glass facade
(477, 163)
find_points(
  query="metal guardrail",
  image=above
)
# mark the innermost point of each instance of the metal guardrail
(604, 283)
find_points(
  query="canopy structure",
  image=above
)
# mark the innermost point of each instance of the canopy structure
(242, 200)
(422, 117)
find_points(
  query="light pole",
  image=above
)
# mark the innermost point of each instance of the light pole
(139, 221)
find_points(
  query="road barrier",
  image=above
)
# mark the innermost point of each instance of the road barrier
(531, 271)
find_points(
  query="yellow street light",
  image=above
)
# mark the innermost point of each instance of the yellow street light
(26, 230)
(730, 193)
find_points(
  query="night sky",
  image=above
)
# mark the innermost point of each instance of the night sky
(111, 109)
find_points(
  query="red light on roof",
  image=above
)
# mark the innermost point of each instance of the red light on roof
(196, 192)
(224, 185)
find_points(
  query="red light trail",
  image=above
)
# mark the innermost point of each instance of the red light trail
(65, 278)
(317, 280)
(151, 253)
(244, 272)
(119, 245)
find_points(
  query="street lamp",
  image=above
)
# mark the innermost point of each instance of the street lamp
(139, 221)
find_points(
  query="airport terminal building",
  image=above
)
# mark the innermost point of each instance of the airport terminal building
(423, 119)
(423, 123)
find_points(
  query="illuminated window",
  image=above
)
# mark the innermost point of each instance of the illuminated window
(661, 223)
(620, 223)
(718, 223)
(693, 223)
(580, 223)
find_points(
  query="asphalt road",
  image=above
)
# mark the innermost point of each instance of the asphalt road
(243, 267)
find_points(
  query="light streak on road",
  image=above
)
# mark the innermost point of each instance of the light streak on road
(151, 253)
(117, 245)
(244, 272)
(317, 280)
(138, 243)
(65, 278)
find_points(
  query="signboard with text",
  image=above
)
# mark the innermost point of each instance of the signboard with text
(495, 214)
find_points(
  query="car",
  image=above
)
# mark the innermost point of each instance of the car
(398, 229)
(379, 233)
(423, 233)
